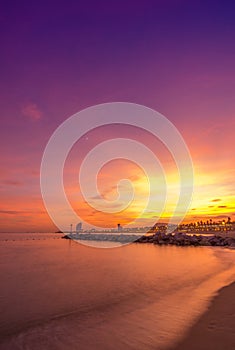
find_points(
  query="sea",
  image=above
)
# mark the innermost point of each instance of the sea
(60, 294)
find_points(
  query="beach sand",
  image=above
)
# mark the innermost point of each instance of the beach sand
(215, 329)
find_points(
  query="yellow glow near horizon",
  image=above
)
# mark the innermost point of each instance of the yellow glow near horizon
(213, 204)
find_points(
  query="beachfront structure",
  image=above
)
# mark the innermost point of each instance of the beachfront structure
(208, 226)
(119, 228)
(79, 227)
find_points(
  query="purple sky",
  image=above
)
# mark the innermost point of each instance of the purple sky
(60, 57)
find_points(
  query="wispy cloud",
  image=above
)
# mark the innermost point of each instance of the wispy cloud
(31, 111)
(11, 182)
(21, 212)
(11, 212)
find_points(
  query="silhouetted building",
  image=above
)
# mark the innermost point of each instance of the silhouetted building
(119, 227)
(79, 227)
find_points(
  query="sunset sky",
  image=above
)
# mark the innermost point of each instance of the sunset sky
(58, 58)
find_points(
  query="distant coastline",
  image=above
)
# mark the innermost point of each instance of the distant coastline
(209, 233)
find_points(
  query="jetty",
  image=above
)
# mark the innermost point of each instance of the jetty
(104, 237)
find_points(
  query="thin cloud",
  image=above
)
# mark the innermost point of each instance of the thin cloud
(11, 183)
(11, 212)
(221, 216)
(21, 212)
(32, 112)
(216, 200)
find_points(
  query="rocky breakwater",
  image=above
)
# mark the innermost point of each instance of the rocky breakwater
(182, 239)
(103, 237)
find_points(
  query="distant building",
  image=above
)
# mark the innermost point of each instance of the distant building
(79, 227)
(119, 227)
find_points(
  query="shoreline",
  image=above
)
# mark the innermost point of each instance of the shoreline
(215, 327)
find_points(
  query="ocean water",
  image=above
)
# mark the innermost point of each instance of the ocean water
(59, 294)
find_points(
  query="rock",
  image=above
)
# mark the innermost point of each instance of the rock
(161, 242)
(204, 242)
(194, 240)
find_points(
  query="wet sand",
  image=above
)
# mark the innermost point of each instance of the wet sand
(216, 328)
